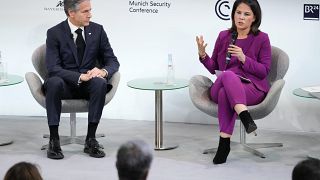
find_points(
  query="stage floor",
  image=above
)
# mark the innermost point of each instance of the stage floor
(185, 162)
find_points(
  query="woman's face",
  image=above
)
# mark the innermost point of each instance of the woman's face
(243, 17)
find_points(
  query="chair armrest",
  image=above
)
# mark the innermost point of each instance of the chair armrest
(35, 86)
(114, 81)
(199, 87)
(270, 101)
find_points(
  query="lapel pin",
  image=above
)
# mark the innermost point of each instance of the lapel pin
(89, 33)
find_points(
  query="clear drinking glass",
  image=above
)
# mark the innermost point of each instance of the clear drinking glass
(170, 71)
(3, 72)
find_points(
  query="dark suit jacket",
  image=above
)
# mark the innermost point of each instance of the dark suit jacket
(258, 58)
(61, 52)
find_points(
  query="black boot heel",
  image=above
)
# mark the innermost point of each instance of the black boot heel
(248, 122)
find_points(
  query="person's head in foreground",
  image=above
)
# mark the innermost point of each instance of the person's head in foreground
(23, 171)
(308, 169)
(133, 160)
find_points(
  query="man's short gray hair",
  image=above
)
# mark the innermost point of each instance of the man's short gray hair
(72, 5)
(134, 160)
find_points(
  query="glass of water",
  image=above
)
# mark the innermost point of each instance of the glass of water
(3, 72)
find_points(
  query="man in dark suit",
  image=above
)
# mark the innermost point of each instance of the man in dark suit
(74, 47)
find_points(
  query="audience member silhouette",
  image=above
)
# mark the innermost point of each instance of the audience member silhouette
(308, 169)
(133, 160)
(23, 171)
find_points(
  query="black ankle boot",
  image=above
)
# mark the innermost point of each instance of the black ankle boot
(223, 151)
(247, 121)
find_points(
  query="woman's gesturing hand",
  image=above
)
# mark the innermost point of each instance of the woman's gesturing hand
(201, 47)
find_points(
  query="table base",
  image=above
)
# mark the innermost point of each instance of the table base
(167, 147)
(159, 124)
(5, 141)
(314, 156)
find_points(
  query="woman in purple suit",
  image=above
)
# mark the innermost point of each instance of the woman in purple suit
(243, 56)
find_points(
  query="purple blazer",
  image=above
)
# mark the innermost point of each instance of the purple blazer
(257, 50)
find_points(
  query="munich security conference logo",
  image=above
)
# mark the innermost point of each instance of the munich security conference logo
(311, 12)
(222, 9)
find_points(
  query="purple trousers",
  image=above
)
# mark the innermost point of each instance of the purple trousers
(227, 91)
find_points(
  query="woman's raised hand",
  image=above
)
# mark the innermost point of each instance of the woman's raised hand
(201, 47)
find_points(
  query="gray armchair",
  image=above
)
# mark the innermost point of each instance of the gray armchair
(199, 92)
(71, 106)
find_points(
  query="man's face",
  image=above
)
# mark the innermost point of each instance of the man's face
(81, 17)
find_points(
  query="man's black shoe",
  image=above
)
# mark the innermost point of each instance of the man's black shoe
(54, 150)
(93, 148)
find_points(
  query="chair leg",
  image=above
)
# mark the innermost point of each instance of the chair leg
(253, 151)
(264, 145)
(214, 150)
(72, 139)
(249, 147)
(252, 147)
(210, 151)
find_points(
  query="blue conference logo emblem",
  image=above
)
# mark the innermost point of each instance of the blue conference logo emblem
(222, 9)
(311, 12)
